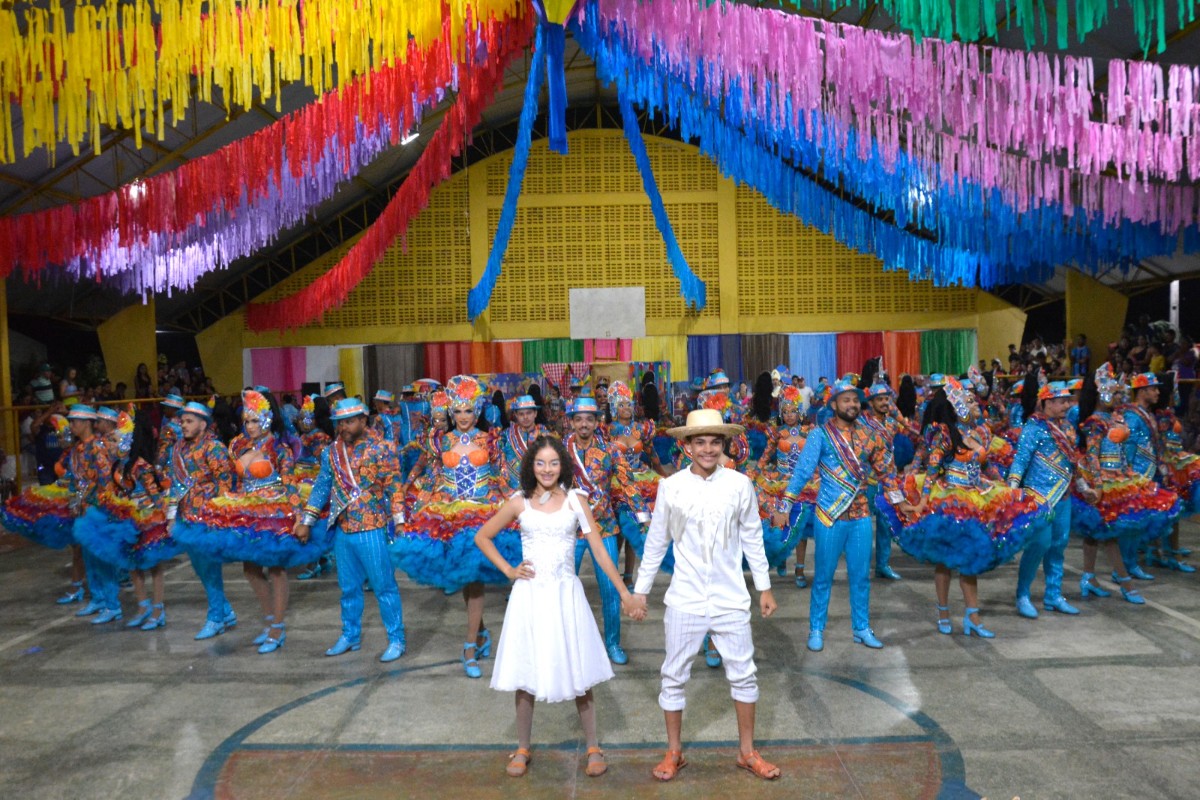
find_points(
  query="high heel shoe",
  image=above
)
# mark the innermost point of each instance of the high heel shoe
(73, 596)
(943, 623)
(483, 648)
(270, 645)
(156, 622)
(141, 616)
(781, 570)
(1136, 571)
(1086, 586)
(970, 627)
(266, 632)
(801, 581)
(471, 665)
(1131, 594)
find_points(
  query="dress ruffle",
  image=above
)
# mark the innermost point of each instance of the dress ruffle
(968, 530)
(127, 534)
(41, 514)
(256, 527)
(437, 546)
(1184, 476)
(780, 542)
(1130, 506)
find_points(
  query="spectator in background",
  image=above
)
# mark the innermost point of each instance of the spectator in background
(106, 393)
(1156, 362)
(290, 412)
(806, 394)
(1081, 356)
(42, 385)
(141, 381)
(120, 392)
(1139, 354)
(46, 443)
(68, 386)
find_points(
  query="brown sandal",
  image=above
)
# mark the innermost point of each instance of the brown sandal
(759, 766)
(518, 769)
(595, 769)
(672, 762)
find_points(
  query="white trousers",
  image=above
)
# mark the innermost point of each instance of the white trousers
(731, 636)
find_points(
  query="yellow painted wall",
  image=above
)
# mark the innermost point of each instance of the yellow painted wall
(1000, 325)
(350, 372)
(1095, 310)
(584, 221)
(220, 348)
(128, 339)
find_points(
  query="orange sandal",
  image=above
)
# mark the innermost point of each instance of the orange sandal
(595, 769)
(760, 767)
(672, 762)
(518, 769)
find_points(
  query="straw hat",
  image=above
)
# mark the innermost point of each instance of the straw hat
(705, 422)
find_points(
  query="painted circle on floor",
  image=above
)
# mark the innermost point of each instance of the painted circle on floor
(925, 764)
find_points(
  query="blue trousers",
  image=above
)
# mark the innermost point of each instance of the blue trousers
(1046, 548)
(883, 533)
(208, 570)
(362, 557)
(102, 581)
(610, 599)
(852, 537)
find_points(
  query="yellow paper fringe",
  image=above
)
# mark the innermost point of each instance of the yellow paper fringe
(110, 71)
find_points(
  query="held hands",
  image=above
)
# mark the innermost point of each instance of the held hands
(301, 531)
(766, 603)
(779, 519)
(634, 606)
(523, 571)
(910, 509)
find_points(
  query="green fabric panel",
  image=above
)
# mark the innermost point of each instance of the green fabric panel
(947, 352)
(551, 351)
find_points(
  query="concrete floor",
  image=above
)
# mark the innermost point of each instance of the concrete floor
(1104, 704)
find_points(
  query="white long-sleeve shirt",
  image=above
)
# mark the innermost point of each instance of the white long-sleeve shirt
(713, 523)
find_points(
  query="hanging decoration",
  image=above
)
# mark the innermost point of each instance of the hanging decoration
(174, 227)
(476, 90)
(971, 20)
(690, 286)
(481, 294)
(552, 15)
(72, 69)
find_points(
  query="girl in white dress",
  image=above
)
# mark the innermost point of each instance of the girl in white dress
(550, 648)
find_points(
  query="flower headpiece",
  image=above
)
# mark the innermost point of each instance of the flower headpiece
(717, 399)
(124, 433)
(1107, 385)
(789, 398)
(256, 408)
(619, 394)
(959, 397)
(1017, 388)
(308, 410)
(465, 392)
(977, 381)
(62, 428)
(439, 403)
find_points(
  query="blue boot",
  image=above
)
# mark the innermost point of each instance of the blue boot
(867, 636)
(1060, 605)
(394, 650)
(210, 630)
(107, 615)
(1025, 607)
(816, 641)
(92, 607)
(342, 645)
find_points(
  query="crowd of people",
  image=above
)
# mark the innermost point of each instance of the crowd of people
(461, 488)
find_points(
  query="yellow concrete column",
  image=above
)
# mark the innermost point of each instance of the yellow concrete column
(350, 371)
(220, 346)
(1096, 311)
(999, 325)
(128, 339)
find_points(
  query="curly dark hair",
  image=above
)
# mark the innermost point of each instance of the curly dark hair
(566, 476)
(906, 397)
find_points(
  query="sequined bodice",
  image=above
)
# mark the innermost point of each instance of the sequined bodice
(548, 541)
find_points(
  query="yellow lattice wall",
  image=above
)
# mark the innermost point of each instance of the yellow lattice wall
(584, 221)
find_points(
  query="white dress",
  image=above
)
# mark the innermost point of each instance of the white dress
(550, 646)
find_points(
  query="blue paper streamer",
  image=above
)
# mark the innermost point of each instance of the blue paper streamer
(690, 286)
(556, 76)
(481, 295)
(971, 234)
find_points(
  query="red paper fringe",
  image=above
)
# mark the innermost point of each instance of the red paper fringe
(476, 90)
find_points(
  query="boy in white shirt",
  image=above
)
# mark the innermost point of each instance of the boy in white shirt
(710, 513)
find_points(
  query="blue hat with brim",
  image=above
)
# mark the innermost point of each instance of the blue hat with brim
(197, 410)
(333, 389)
(842, 386)
(385, 396)
(106, 413)
(524, 403)
(80, 411)
(348, 409)
(584, 405)
(172, 401)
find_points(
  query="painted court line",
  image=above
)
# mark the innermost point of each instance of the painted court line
(54, 623)
(1170, 612)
